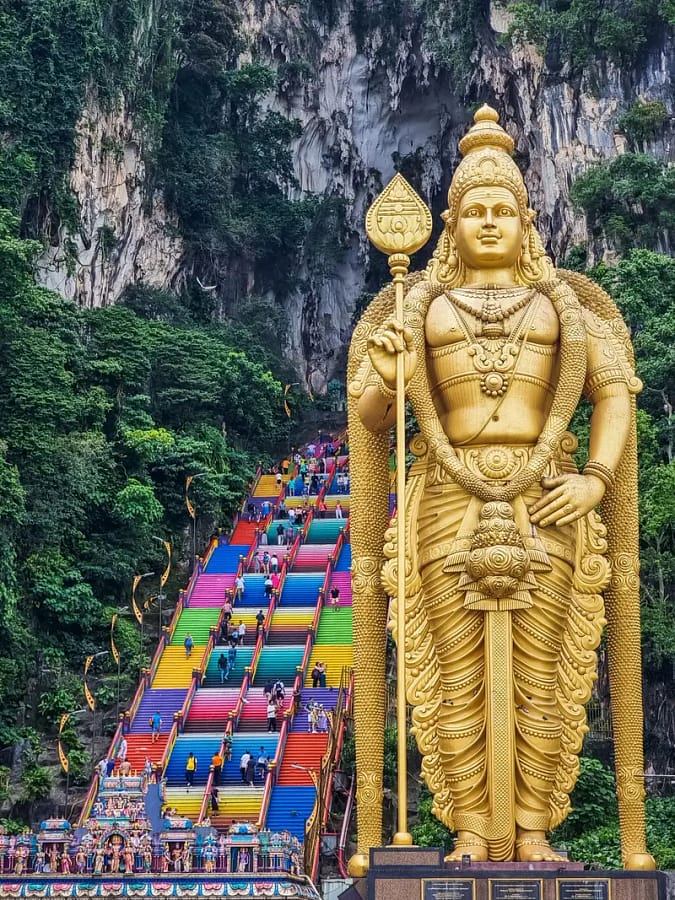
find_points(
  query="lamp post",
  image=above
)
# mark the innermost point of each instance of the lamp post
(115, 653)
(88, 696)
(193, 512)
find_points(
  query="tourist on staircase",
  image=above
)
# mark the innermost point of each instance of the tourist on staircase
(188, 643)
(190, 769)
(223, 667)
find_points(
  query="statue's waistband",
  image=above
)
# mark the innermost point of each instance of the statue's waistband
(490, 462)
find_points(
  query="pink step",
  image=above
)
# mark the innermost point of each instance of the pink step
(209, 591)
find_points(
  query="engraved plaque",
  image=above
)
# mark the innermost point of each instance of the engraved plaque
(516, 889)
(584, 889)
(448, 889)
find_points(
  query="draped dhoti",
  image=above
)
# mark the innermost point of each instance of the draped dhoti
(528, 764)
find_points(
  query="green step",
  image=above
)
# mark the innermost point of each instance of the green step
(335, 626)
(198, 622)
(325, 531)
(279, 662)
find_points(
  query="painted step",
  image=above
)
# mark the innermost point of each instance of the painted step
(289, 809)
(302, 752)
(198, 623)
(166, 702)
(253, 742)
(210, 709)
(244, 533)
(203, 746)
(324, 531)
(312, 558)
(344, 563)
(225, 558)
(174, 669)
(302, 588)
(209, 591)
(343, 582)
(140, 748)
(335, 626)
(211, 677)
(336, 657)
(279, 663)
(186, 803)
(328, 697)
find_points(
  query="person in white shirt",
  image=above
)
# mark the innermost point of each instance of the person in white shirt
(122, 752)
(242, 631)
(243, 765)
(239, 588)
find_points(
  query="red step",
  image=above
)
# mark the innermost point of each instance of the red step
(140, 747)
(304, 750)
(243, 533)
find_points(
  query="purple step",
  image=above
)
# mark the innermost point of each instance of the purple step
(166, 700)
(327, 696)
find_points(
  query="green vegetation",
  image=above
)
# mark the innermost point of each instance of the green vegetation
(643, 121)
(631, 200)
(580, 32)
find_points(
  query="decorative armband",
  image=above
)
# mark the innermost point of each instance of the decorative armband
(386, 392)
(601, 471)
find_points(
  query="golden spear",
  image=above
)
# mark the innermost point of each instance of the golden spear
(399, 223)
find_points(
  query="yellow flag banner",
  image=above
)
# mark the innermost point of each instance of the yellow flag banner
(190, 507)
(134, 605)
(89, 697)
(165, 574)
(87, 663)
(286, 406)
(62, 723)
(113, 649)
(63, 759)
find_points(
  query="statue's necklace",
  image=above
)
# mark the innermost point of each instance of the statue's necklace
(492, 314)
(493, 351)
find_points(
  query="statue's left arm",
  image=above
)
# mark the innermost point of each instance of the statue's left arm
(568, 497)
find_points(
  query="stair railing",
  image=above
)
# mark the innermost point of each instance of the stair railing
(203, 809)
(89, 800)
(173, 734)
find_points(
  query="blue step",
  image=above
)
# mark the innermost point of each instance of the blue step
(289, 808)
(252, 742)
(225, 559)
(344, 564)
(301, 589)
(203, 747)
(254, 593)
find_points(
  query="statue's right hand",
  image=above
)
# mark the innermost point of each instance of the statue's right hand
(384, 348)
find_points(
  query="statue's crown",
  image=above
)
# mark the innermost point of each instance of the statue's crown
(487, 132)
(487, 150)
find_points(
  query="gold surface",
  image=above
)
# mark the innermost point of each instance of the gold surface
(497, 561)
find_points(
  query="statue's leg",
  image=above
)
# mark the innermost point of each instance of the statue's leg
(537, 641)
(458, 635)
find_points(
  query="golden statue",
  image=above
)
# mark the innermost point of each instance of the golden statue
(506, 558)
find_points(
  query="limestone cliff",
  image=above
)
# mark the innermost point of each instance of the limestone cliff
(370, 101)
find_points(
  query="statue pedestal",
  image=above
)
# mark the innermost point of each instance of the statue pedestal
(419, 873)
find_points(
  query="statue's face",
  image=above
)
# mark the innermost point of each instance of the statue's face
(489, 231)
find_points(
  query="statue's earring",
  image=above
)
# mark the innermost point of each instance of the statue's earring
(525, 256)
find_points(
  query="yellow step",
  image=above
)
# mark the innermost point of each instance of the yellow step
(185, 804)
(267, 486)
(240, 801)
(175, 670)
(335, 657)
(292, 617)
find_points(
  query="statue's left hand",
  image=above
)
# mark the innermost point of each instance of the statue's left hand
(566, 498)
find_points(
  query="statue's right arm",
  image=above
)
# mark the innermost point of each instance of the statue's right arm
(377, 412)
(377, 403)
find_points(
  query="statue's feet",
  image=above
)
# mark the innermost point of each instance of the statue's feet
(532, 846)
(469, 844)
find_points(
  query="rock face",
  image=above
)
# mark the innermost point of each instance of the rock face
(126, 235)
(367, 107)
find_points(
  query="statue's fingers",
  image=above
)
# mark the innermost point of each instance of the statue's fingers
(568, 518)
(549, 513)
(545, 499)
(548, 481)
(387, 344)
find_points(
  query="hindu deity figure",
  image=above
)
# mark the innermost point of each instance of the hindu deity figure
(506, 557)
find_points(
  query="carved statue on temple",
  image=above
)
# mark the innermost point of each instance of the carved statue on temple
(511, 572)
